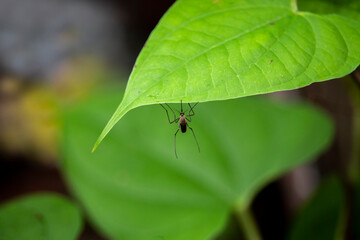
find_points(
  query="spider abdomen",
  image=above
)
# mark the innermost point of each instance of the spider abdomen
(183, 128)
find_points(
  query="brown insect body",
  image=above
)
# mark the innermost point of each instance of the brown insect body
(182, 123)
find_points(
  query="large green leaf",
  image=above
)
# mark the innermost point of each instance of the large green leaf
(40, 216)
(135, 188)
(205, 50)
(323, 217)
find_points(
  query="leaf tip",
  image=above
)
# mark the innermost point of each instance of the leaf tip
(97, 143)
(94, 148)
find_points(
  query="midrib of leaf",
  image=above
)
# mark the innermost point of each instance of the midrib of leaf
(146, 58)
(204, 52)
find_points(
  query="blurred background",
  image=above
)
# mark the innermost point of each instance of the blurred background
(51, 50)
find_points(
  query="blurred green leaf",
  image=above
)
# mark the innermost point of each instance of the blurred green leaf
(322, 218)
(346, 8)
(135, 188)
(40, 216)
(206, 50)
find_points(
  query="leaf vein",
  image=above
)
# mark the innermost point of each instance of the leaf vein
(207, 50)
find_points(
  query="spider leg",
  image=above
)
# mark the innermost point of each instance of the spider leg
(167, 114)
(175, 142)
(194, 136)
(172, 109)
(192, 110)
(189, 114)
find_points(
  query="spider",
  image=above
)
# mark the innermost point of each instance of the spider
(183, 121)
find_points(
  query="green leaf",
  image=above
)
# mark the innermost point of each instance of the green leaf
(346, 8)
(323, 217)
(135, 188)
(206, 50)
(40, 216)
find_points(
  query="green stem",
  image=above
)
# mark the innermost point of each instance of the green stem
(247, 223)
(294, 6)
(340, 231)
(353, 168)
(354, 93)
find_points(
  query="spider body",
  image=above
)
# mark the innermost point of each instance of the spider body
(183, 120)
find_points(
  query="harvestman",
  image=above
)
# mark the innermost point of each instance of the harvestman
(183, 121)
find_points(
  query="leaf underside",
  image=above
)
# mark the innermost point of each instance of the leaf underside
(206, 50)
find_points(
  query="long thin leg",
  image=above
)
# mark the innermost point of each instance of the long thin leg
(189, 119)
(172, 109)
(192, 110)
(167, 113)
(175, 142)
(194, 136)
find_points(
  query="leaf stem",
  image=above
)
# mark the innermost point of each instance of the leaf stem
(353, 167)
(294, 6)
(354, 93)
(356, 77)
(247, 223)
(340, 231)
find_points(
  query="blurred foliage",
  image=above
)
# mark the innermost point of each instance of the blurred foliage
(30, 121)
(76, 79)
(347, 8)
(40, 216)
(323, 217)
(356, 222)
(133, 187)
(40, 124)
